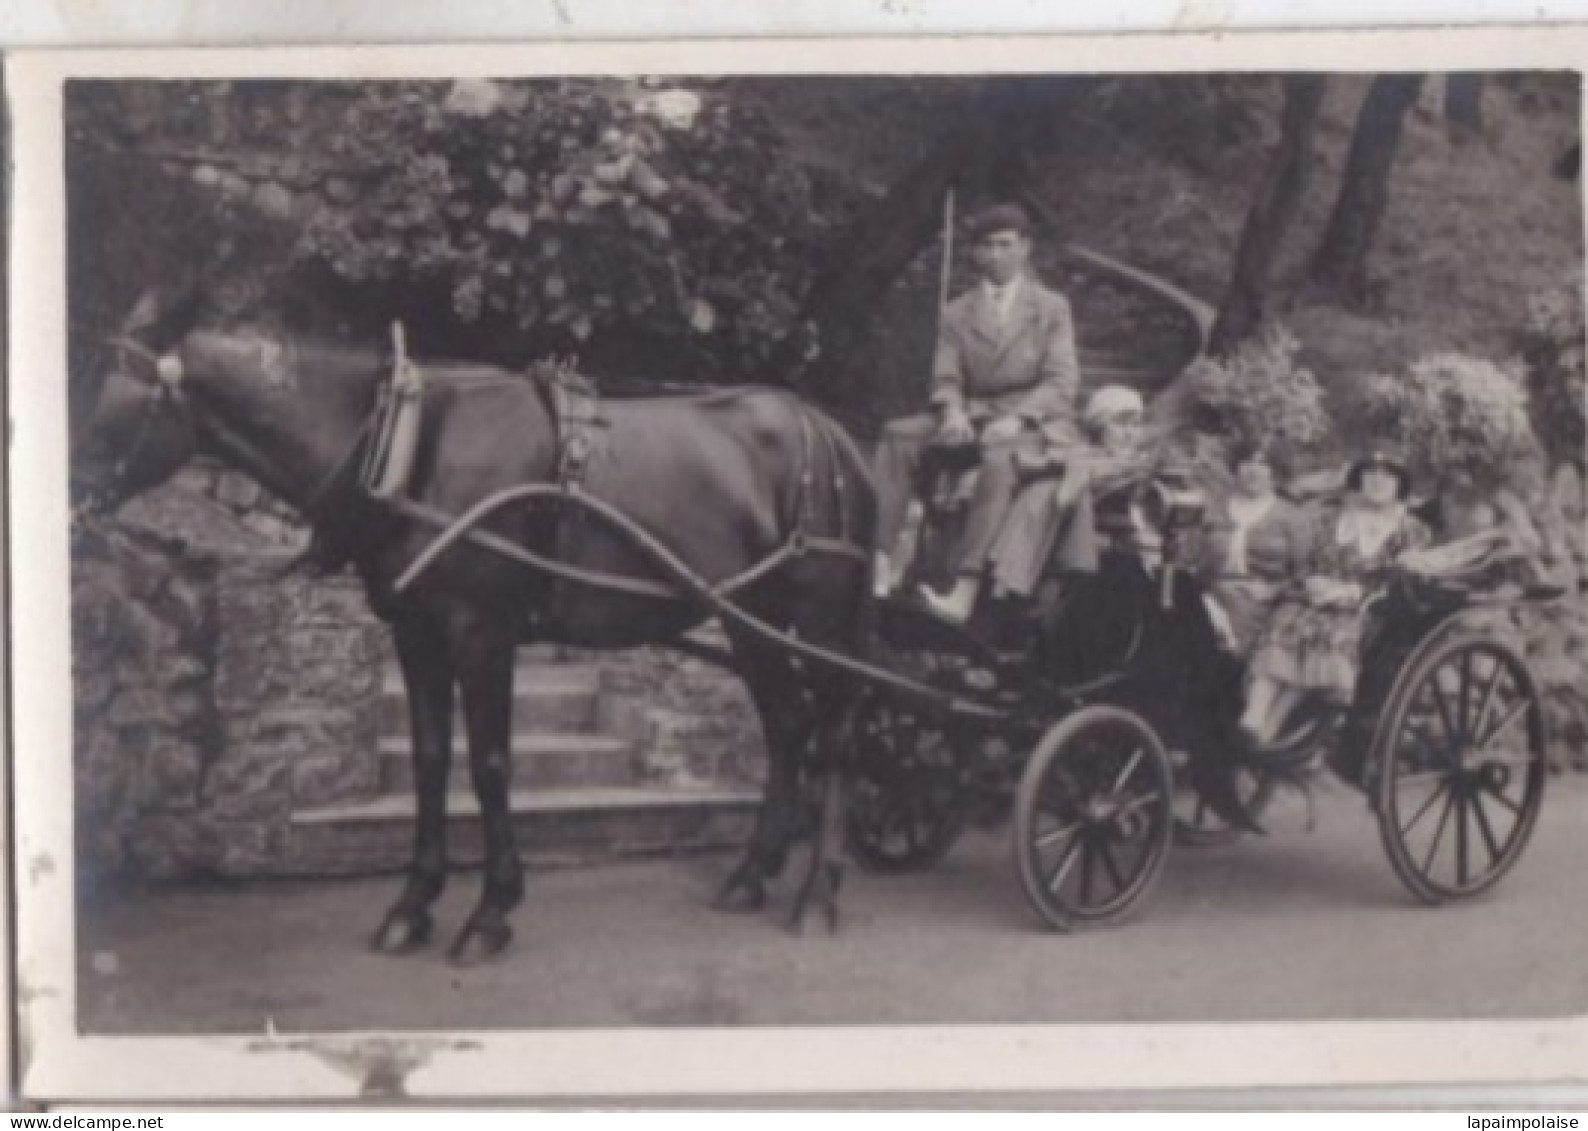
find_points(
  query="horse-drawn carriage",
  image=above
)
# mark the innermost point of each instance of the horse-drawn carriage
(754, 508)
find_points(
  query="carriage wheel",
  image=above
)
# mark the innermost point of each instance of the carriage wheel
(1094, 817)
(1461, 767)
(907, 803)
(906, 806)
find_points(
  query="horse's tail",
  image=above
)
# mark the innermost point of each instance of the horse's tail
(842, 480)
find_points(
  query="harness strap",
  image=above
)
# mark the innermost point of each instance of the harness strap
(671, 563)
(464, 528)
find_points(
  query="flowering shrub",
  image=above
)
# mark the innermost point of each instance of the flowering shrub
(1463, 421)
(1259, 392)
(526, 217)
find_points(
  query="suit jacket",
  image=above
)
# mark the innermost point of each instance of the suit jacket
(1024, 365)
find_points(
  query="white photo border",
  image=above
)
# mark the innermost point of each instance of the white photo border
(922, 1061)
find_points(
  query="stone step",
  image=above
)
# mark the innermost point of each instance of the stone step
(564, 826)
(539, 760)
(556, 698)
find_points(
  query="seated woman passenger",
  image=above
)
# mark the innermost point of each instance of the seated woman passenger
(1053, 522)
(1312, 643)
(1257, 543)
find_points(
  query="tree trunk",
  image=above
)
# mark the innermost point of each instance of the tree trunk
(1273, 208)
(1340, 263)
(1464, 102)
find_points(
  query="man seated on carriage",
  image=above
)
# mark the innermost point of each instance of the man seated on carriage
(1005, 376)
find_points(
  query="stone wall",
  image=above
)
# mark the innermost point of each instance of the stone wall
(215, 696)
(143, 718)
(212, 694)
(690, 721)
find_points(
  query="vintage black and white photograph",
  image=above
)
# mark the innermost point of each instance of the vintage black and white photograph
(592, 550)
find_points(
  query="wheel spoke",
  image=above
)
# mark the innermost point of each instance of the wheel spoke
(1452, 741)
(1439, 833)
(1130, 768)
(1418, 777)
(1110, 865)
(912, 824)
(1066, 862)
(1466, 689)
(1088, 855)
(1461, 837)
(1492, 791)
(1484, 828)
(1427, 805)
(1054, 836)
(1487, 703)
(1505, 723)
(1524, 759)
(1137, 803)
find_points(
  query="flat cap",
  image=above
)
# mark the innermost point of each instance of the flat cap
(999, 218)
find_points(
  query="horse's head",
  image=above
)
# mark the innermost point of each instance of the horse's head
(141, 430)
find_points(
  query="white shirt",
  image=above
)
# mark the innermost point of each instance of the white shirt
(1368, 529)
(1245, 513)
(1001, 298)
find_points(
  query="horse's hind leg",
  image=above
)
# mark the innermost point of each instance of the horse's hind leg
(427, 675)
(824, 877)
(485, 674)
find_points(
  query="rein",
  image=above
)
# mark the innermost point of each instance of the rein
(167, 387)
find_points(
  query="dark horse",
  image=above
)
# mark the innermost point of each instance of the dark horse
(723, 481)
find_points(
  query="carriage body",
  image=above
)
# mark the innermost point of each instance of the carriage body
(1100, 723)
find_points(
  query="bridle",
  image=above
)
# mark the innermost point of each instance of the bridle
(168, 396)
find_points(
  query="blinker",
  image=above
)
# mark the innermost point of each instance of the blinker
(169, 371)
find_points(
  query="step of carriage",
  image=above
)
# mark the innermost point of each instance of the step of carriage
(547, 696)
(563, 826)
(540, 759)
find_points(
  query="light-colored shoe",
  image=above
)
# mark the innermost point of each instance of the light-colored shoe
(956, 604)
(883, 581)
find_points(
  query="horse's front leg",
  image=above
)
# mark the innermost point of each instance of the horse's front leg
(427, 676)
(485, 674)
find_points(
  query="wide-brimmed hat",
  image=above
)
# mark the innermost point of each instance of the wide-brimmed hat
(1383, 455)
(999, 218)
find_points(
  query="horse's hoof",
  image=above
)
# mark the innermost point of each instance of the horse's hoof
(740, 897)
(478, 943)
(402, 933)
(820, 897)
(775, 864)
(801, 918)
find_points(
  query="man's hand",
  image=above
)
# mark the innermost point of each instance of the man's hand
(956, 428)
(1002, 429)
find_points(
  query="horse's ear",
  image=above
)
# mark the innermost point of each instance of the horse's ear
(144, 313)
(164, 315)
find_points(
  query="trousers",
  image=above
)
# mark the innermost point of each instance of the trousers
(1048, 523)
(898, 462)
